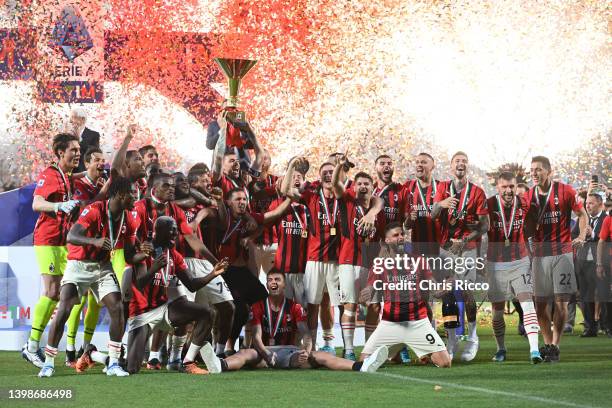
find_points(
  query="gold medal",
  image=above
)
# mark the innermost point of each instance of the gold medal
(112, 254)
(304, 234)
(507, 242)
(332, 231)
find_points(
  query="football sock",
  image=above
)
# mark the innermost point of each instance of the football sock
(451, 337)
(223, 365)
(114, 352)
(328, 337)
(499, 328)
(73, 324)
(90, 320)
(192, 352)
(153, 354)
(219, 348)
(50, 353)
(42, 313)
(99, 357)
(357, 365)
(177, 347)
(348, 330)
(530, 322)
(472, 326)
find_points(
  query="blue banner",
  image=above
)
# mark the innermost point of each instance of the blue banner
(18, 218)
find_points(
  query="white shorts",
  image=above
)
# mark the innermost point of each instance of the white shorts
(352, 280)
(215, 292)
(157, 319)
(465, 265)
(419, 335)
(318, 276)
(88, 275)
(508, 279)
(294, 288)
(554, 275)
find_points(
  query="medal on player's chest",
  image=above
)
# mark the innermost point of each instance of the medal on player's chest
(330, 219)
(304, 224)
(279, 319)
(457, 213)
(113, 238)
(507, 230)
(543, 209)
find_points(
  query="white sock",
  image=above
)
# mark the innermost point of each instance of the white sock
(192, 352)
(177, 347)
(530, 322)
(85, 344)
(328, 337)
(99, 357)
(153, 354)
(50, 353)
(499, 328)
(69, 347)
(348, 331)
(219, 348)
(33, 346)
(114, 352)
(472, 330)
(451, 337)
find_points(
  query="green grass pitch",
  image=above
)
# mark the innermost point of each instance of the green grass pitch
(583, 378)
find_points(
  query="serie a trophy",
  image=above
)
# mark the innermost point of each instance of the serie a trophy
(237, 130)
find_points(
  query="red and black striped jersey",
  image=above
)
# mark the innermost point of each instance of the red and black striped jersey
(278, 328)
(227, 184)
(351, 243)
(155, 292)
(148, 214)
(85, 189)
(455, 224)
(231, 234)
(292, 244)
(554, 215)
(401, 289)
(323, 234)
(52, 227)
(514, 216)
(396, 204)
(426, 233)
(182, 245)
(261, 203)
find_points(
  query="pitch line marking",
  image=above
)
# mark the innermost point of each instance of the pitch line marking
(486, 390)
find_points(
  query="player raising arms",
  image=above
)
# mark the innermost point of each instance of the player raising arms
(461, 207)
(90, 243)
(129, 164)
(404, 319)
(53, 200)
(553, 266)
(353, 273)
(508, 264)
(276, 323)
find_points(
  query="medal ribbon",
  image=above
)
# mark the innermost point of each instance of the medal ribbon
(537, 197)
(278, 319)
(304, 225)
(378, 193)
(422, 194)
(229, 233)
(110, 225)
(503, 217)
(463, 201)
(324, 201)
(66, 185)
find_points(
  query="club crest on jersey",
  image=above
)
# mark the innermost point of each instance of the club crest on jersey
(51, 267)
(134, 214)
(41, 182)
(556, 200)
(77, 192)
(85, 212)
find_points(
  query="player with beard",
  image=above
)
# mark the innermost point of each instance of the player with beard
(237, 226)
(87, 189)
(323, 240)
(149, 155)
(394, 195)
(553, 266)
(353, 269)
(508, 263)
(54, 201)
(129, 164)
(425, 230)
(277, 322)
(461, 207)
(404, 319)
(216, 294)
(90, 241)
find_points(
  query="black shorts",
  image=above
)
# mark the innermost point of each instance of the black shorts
(244, 285)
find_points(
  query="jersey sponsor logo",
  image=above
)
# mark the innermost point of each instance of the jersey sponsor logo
(41, 182)
(85, 212)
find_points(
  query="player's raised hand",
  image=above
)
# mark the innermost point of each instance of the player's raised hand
(131, 130)
(216, 193)
(146, 247)
(366, 223)
(220, 267)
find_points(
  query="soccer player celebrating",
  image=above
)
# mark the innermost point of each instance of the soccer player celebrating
(553, 266)
(90, 241)
(149, 155)
(276, 323)
(352, 271)
(508, 264)
(461, 207)
(404, 319)
(129, 164)
(394, 195)
(53, 200)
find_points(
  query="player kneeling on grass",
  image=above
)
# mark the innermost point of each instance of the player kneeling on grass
(276, 323)
(404, 320)
(150, 307)
(90, 243)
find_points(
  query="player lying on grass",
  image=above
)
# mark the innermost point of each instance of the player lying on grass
(276, 323)
(404, 320)
(152, 306)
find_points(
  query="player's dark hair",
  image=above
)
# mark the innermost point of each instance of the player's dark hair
(363, 174)
(196, 171)
(430, 156)
(506, 175)
(597, 197)
(164, 221)
(61, 142)
(233, 191)
(382, 156)
(543, 160)
(229, 152)
(119, 185)
(90, 152)
(392, 225)
(144, 149)
(275, 271)
(459, 153)
(325, 164)
(158, 179)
